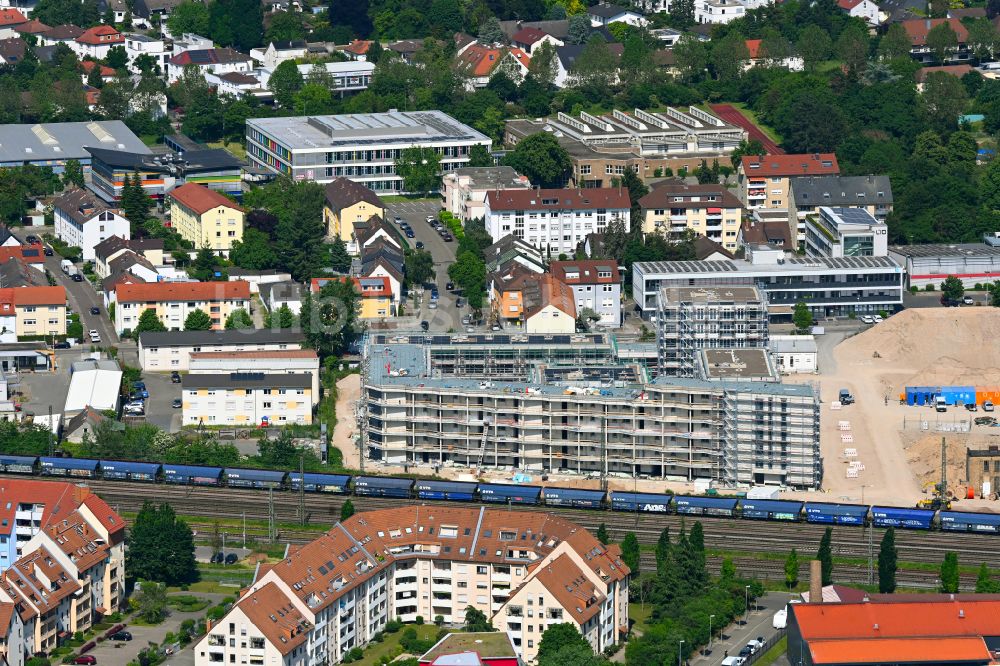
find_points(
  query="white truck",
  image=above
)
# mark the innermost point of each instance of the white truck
(66, 265)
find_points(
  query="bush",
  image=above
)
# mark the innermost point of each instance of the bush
(914, 289)
(420, 619)
(394, 625)
(439, 620)
(378, 637)
(852, 315)
(929, 287)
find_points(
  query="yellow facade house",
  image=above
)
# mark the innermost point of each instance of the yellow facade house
(348, 202)
(205, 217)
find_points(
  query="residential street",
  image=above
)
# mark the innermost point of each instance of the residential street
(82, 297)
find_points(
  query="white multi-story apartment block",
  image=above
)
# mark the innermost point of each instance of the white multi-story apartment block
(138, 44)
(363, 147)
(845, 232)
(167, 352)
(290, 361)
(596, 285)
(807, 193)
(530, 402)
(524, 570)
(247, 399)
(464, 190)
(557, 219)
(174, 301)
(82, 220)
(674, 207)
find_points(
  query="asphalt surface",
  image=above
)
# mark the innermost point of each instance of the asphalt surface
(445, 316)
(734, 637)
(82, 296)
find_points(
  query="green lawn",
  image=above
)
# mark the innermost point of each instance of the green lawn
(639, 614)
(390, 646)
(774, 136)
(235, 147)
(772, 655)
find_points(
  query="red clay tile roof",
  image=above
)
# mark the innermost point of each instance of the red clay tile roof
(101, 34)
(88, 65)
(342, 193)
(200, 199)
(107, 516)
(34, 295)
(31, 254)
(11, 17)
(663, 195)
(753, 46)
(917, 29)
(790, 165)
(855, 621)
(541, 291)
(79, 541)
(276, 617)
(955, 70)
(572, 589)
(209, 57)
(59, 498)
(586, 271)
(932, 650)
(848, 5)
(479, 60)
(159, 292)
(559, 199)
(33, 27)
(358, 46)
(63, 32)
(528, 36)
(6, 615)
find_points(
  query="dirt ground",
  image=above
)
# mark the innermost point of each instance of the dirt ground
(927, 346)
(348, 392)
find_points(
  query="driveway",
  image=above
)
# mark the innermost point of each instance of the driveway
(159, 410)
(445, 316)
(734, 637)
(82, 296)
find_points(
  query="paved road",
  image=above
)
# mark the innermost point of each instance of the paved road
(82, 297)
(735, 636)
(446, 316)
(732, 115)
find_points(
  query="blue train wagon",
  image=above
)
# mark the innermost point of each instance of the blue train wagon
(195, 475)
(771, 509)
(571, 497)
(79, 467)
(382, 486)
(18, 464)
(891, 516)
(964, 521)
(503, 493)
(705, 506)
(254, 478)
(836, 514)
(459, 491)
(117, 470)
(320, 483)
(640, 502)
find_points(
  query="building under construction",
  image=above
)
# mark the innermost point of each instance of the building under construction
(549, 403)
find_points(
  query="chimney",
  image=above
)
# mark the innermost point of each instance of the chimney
(961, 614)
(815, 582)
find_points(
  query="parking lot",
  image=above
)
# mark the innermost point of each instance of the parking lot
(446, 316)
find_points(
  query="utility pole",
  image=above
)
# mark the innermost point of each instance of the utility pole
(871, 554)
(51, 444)
(944, 470)
(604, 454)
(244, 529)
(270, 515)
(302, 490)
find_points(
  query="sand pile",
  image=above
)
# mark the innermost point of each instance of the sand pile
(923, 452)
(933, 346)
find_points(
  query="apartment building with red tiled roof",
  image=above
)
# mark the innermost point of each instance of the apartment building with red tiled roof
(174, 301)
(427, 561)
(765, 180)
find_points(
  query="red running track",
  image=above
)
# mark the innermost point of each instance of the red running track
(733, 116)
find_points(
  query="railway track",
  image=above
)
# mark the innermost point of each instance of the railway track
(725, 534)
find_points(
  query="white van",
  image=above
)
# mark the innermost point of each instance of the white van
(733, 661)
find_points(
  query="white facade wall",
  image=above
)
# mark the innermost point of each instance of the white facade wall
(271, 366)
(85, 236)
(168, 359)
(247, 407)
(137, 45)
(559, 231)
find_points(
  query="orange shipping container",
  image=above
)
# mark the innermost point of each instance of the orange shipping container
(991, 393)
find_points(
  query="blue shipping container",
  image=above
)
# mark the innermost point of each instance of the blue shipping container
(705, 506)
(642, 502)
(839, 514)
(81, 467)
(320, 483)
(199, 476)
(446, 490)
(254, 478)
(771, 509)
(959, 395)
(18, 464)
(136, 471)
(382, 486)
(921, 395)
(914, 519)
(501, 493)
(961, 521)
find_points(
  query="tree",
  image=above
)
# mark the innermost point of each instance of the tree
(135, 203)
(774, 48)
(887, 557)
(160, 547)
(630, 552)
(852, 48)
(236, 23)
(804, 135)
(150, 602)
(60, 12)
(239, 319)
(663, 546)
(543, 66)
(944, 99)
(346, 510)
(602, 534)
(541, 158)
(949, 573)
(636, 190)
(895, 44)
(312, 99)
(596, 66)
(636, 64)
(419, 168)
(479, 156)
(984, 581)
(285, 82)
(825, 555)
(73, 173)
(351, 13)
(327, 319)
(116, 59)
(983, 38)
(476, 620)
(254, 251)
(728, 56)
(952, 288)
(556, 637)
(340, 261)
(285, 26)
(419, 266)
(491, 32)
(148, 321)
(188, 16)
(578, 31)
(681, 14)
(94, 78)
(298, 207)
(814, 46)
(691, 55)
(198, 320)
(802, 316)
(283, 317)
(942, 41)
(792, 569)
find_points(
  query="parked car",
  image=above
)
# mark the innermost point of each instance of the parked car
(231, 558)
(175, 377)
(950, 302)
(61, 345)
(878, 319)
(31, 240)
(430, 219)
(972, 407)
(867, 319)
(968, 300)
(176, 403)
(85, 659)
(459, 302)
(467, 319)
(48, 252)
(447, 238)
(397, 220)
(420, 245)
(218, 558)
(987, 406)
(409, 233)
(746, 651)
(121, 636)
(450, 286)
(424, 325)
(77, 278)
